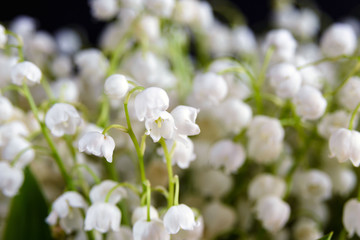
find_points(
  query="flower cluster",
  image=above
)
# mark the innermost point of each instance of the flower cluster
(180, 127)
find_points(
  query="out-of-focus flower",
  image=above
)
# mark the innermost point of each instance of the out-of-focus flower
(25, 72)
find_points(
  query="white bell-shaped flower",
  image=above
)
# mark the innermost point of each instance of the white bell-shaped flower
(283, 43)
(150, 103)
(343, 180)
(265, 139)
(147, 28)
(209, 89)
(66, 90)
(185, 117)
(179, 217)
(265, 184)
(163, 126)
(351, 217)
(234, 115)
(162, 8)
(104, 9)
(102, 217)
(315, 185)
(349, 94)
(153, 230)
(310, 103)
(116, 86)
(195, 234)
(66, 208)
(97, 144)
(140, 213)
(243, 40)
(338, 39)
(273, 213)
(11, 130)
(99, 192)
(285, 79)
(183, 153)
(6, 109)
(25, 72)
(92, 65)
(332, 122)
(62, 118)
(68, 40)
(18, 145)
(11, 179)
(344, 144)
(306, 229)
(228, 154)
(3, 36)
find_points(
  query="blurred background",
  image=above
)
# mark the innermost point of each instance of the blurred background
(52, 15)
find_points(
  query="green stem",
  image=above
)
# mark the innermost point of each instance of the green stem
(117, 126)
(124, 184)
(328, 59)
(19, 154)
(148, 200)
(352, 73)
(161, 190)
(177, 188)
(353, 117)
(104, 112)
(48, 138)
(170, 172)
(20, 45)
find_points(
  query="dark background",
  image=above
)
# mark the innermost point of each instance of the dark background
(54, 14)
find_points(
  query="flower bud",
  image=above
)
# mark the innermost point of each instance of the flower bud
(283, 43)
(265, 184)
(104, 9)
(153, 230)
(285, 79)
(349, 95)
(310, 103)
(140, 213)
(116, 86)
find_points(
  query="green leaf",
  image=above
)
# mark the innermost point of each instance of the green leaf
(26, 218)
(327, 237)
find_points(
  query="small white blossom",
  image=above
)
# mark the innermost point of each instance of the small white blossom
(349, 95)
(68, 40)
(62, 118)
(61, 66)
(344, 144)
(243, 41)
(338, 39)
(18, 145)
(3, 36)
(185, 117)
(234, 115)
(283, 43)
(150, 103)
(153, 230)
(179, 217)
(104, 9)
(102, 217)
(195, 234)
(343, 180)
(162, 8)
(306, 229)
(212, 183)
(25, 72)
(183, 153)
(265, 139)
(351, 217)
(11, 179)
(140, 213)
(99, 192)
(97, 144)
(161, 127)
(209, 89)
(266, 184)
(116, 86)
(228, 154)
(66, 208)
(66, 90)
(332, 122)
(11, 130)
(6, 109)
(310, 103)
(147, 28)
(315, 185)
(285, 79)
(273, 213)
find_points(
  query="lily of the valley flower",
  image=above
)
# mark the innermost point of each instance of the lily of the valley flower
(184, 117)
(102, 217)
(97, 144)
(19, 150)
(62, 118)
(351, 217)
(99, 192)
(66, 208)
(11, 179)
(163, 126)
(150, 103)
(179, 217)
(25, 72)
(153, 230)
(116, 86)
(140, 213)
